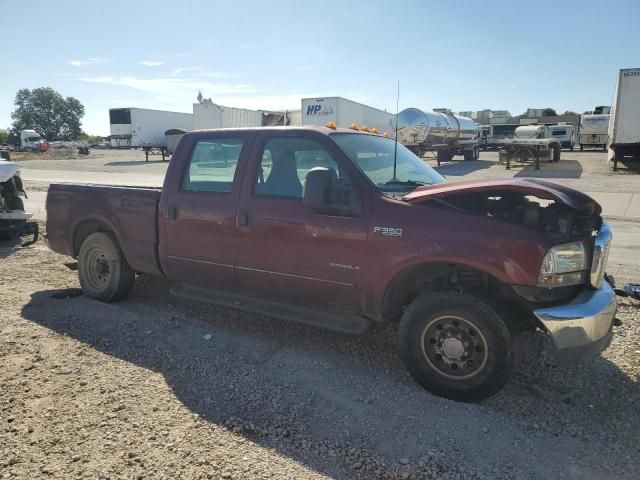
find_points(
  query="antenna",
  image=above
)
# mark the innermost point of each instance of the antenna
(395, 150)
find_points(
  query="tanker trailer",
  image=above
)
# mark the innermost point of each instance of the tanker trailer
(443, 133)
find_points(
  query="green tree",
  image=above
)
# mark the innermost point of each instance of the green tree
(549, 112)
(569, 112)
(48, 113)
(4, 135)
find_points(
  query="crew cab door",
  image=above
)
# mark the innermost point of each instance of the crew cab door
(287, 251)
(198, 209)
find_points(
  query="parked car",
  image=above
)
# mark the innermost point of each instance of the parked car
(343, 230)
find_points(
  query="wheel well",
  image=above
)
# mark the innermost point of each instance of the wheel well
(84, 229)
(442, 276)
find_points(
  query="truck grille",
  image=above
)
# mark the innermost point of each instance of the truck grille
(600, 255)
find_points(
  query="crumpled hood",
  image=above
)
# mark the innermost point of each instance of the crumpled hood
(8, 170)
(538, 188)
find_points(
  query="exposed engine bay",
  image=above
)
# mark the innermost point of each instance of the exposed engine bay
(14, 221)
(551, 217)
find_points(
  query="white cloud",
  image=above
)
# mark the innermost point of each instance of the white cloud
(173, 86)
(86, 62)
(218, 75)
(181, 70)
(150, 63)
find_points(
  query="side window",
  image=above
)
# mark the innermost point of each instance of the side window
(213, 165)
(285, 163)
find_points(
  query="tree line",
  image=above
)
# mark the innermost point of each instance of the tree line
(47, 112)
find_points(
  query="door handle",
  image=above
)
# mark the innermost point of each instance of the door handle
(243, 220)
(173, 212)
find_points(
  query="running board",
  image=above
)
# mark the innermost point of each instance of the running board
(350, 324)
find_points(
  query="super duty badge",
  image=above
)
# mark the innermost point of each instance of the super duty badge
(388, 231)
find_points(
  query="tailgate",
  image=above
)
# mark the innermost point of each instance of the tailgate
(129, 212)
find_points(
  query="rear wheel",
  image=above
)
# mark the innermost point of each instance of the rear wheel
(556, 153)
(581, 147)
(455, 346)
(103, 271)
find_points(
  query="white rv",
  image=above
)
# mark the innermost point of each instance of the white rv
(594, 131)
(565, 133)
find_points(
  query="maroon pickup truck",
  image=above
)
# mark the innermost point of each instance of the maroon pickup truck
(345, 229)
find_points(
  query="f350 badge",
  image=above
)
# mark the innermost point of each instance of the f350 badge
(388, 231)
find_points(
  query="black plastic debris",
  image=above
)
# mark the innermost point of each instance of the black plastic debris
(66, 293)
(632, 290)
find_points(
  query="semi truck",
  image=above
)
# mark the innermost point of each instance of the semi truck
(624, 121)
(346, 230)
(145, 128)
(344, 113)
(441, 132)
(594, 130)
(31, 141)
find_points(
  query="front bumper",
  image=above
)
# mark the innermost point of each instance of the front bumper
(582, 328)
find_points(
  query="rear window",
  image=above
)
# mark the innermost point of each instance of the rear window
(558, 133)
(212, 166)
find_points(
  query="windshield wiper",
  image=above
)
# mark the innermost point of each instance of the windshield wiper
(408, 183)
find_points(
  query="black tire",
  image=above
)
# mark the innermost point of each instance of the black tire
(582, 148)
(476, 154)
(103, 271)
(486, 362)
(468, 155)
(604, 149)
(556, 153)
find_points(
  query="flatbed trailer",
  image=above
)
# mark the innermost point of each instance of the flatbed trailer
(528, 149)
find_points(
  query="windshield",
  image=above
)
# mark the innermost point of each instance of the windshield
(33, 139)
(374, 156)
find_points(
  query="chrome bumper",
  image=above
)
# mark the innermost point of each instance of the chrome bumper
(583, 328)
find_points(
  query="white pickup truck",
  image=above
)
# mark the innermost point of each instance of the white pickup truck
(530, 142)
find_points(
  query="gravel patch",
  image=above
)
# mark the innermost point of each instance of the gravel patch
(155, 387)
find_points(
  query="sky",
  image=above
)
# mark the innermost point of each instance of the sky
(462, 55)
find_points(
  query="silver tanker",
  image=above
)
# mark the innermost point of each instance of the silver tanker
(444, 133)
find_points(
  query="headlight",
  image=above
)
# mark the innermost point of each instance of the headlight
(563, 265)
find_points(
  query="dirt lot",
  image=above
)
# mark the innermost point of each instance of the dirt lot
(154, 387)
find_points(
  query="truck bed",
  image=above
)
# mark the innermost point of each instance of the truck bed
(76, 210)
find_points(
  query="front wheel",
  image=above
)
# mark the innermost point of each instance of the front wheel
(103, 271)
(455, 346)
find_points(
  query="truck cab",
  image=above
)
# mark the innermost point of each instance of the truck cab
(29, 140)
(344, 229)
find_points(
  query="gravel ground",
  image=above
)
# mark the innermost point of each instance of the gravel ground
(154, 387)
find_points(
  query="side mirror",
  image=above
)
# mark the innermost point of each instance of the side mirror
(317, 185)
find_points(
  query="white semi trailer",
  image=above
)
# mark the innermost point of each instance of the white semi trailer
(207, 114)
(344, 113)
(624, 121)
(145, 128)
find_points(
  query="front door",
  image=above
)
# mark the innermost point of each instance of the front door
(199, 222)
(288, 251)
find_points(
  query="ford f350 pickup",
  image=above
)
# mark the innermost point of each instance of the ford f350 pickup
(345, 229)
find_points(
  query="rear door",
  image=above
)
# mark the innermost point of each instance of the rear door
(287, 251)
(198, 221)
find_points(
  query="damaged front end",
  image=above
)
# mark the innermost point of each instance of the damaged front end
(14, 221)
(572, 299)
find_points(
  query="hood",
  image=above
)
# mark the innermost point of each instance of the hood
(539, 188)
(8, 170)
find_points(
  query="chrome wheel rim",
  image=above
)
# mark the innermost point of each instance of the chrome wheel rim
(454, 347)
